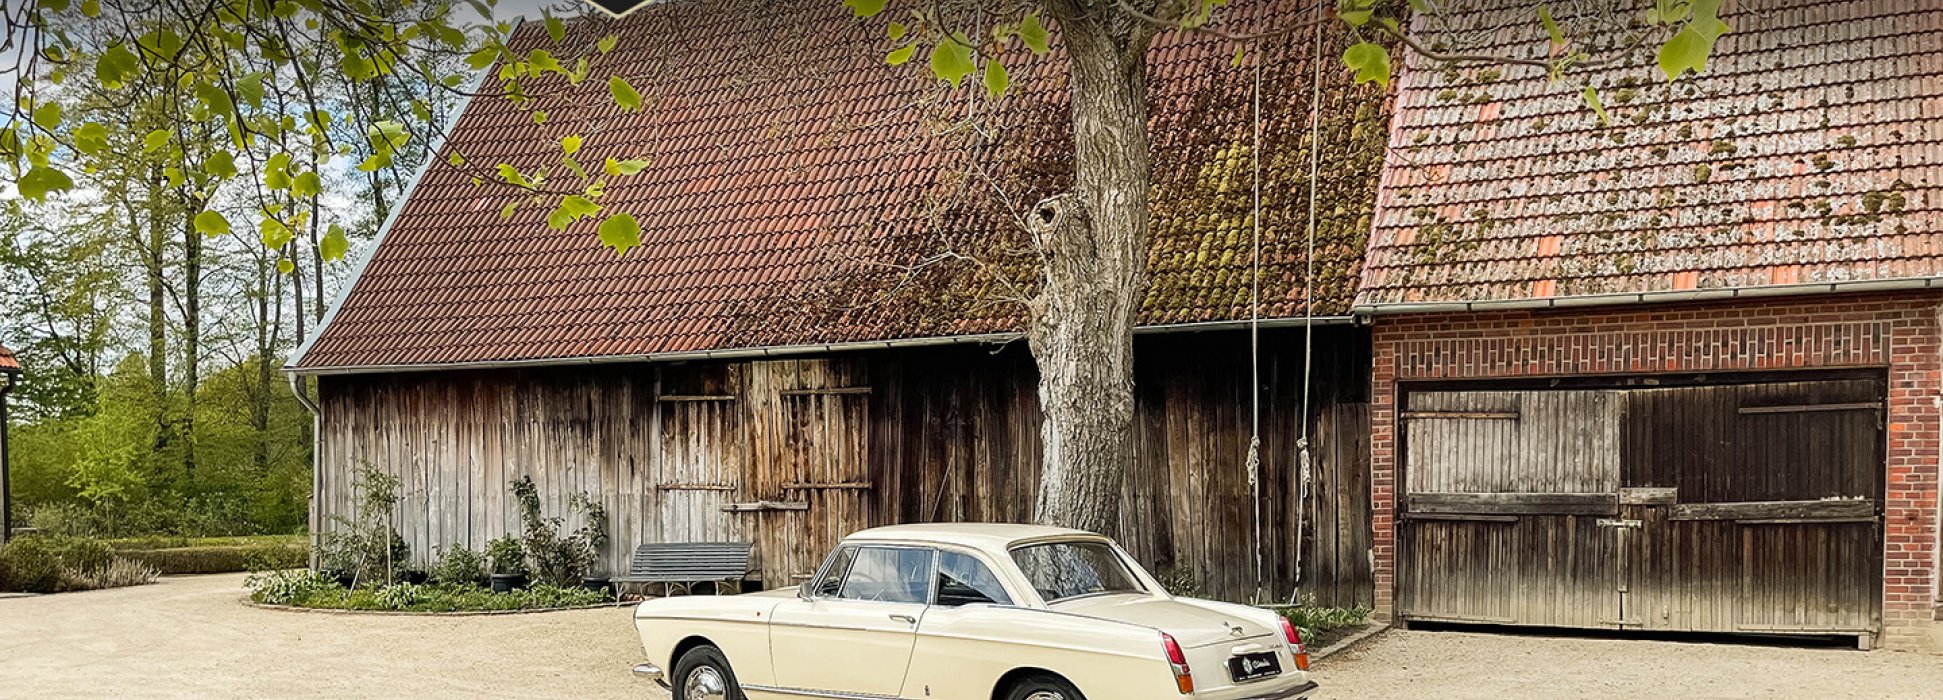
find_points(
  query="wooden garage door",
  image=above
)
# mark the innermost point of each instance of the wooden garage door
(1733, 508)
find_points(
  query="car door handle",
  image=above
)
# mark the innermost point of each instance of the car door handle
(906, 619)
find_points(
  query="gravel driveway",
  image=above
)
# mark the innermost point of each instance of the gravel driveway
(190, 637)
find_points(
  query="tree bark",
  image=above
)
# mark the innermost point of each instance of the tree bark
(1094, 239)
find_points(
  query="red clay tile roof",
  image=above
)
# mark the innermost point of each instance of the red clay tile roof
(796, 176)
(7, 361)
(1810, 151)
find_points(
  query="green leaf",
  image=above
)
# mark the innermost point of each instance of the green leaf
(1354, 12)
(155, 140)
(1686, 51)
(220, 164)
(578, 206)
(543, 60)
(275, 234)
(215, 99)
(376, 162)
(90, 8)
(620, 232)
(624, 94)
(571, 143)
(483, 58)
(996, 81)
(865, 8)
(901, 55)
(1591, 95)
(624, 167)
(334, 245)
(1551, 25)
(307, 185)
(91, 138)
(1370, 61)
(212, 224)
(555, 29)
(1033, 33)
(48, 116)
(607, 43)
(115, 66)
(250, 87)
(952, 61)
(284, 266)
(455, 159)
(276, 173)
(897, 30)
(41, 181)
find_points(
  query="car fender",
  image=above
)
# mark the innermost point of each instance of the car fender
(738, 625)
(962, 653)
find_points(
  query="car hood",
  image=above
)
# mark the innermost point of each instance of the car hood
(1190, 622)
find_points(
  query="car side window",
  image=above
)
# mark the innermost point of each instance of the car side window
(964, 580)
(889, 574)
(833, 573)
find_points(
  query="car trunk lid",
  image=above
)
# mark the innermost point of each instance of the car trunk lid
(1192, 625)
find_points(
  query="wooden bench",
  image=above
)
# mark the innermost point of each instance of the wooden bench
(681, 565)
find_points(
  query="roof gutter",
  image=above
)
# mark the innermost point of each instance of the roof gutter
(1660, 297)
(789, 350)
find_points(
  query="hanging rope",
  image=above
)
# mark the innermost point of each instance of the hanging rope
(1308, 298)
(1255, 333)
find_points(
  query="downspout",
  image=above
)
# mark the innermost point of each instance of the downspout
(6, 495)
(316, 470)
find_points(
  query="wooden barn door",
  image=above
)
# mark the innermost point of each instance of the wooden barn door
(700, 465)
(817, 484)
(1506, 498)
(1758, 507)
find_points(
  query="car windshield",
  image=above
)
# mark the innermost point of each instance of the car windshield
(1061, 570)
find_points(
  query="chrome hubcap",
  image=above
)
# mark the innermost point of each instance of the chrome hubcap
(704, 683)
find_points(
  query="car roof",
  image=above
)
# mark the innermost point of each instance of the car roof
(995, 537)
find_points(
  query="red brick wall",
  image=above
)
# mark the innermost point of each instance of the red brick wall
(1897, 331)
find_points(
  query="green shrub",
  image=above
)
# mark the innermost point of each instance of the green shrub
(220, 560)
(506, 556)
(136, 544)
(459, 565)
(30, 564)
(49, 563)
(289, 587)
(1316, 622)
(554, 557)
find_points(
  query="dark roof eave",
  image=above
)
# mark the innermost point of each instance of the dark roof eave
(1656, 297)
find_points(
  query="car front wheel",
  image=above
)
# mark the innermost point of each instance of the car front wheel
(1044, 688)
(703, 674)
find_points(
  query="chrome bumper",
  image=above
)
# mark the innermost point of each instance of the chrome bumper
(1295, 693)
(651, 672)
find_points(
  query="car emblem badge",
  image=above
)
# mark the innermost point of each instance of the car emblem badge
(1234, 630)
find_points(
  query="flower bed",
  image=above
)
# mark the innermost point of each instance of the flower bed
(305, 589)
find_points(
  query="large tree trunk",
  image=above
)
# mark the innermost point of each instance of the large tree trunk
(1095, 242)
(191, 331)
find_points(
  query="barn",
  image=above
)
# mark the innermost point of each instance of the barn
(785, 358)
(1678, 374)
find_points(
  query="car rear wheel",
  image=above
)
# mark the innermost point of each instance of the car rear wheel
(1044, 688)
(703, 674)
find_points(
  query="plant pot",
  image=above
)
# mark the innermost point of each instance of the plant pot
(597, 583)
(505, 583)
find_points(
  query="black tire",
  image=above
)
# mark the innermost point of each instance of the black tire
(698, 664)
(1044, 687)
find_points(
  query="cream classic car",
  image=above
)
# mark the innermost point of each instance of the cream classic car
(971, 612)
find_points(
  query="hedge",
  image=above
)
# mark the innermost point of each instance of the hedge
(221, 559)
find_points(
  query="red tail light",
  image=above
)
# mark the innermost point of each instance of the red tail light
(1294, 638)
(1183, 677)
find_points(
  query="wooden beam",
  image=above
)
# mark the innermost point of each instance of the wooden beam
(1460, 415)
(758, 506)
(826, 392)
(1515, 503)
(830, 485)
(695, 397)
(695, 487)
(1466, 517)
(1775, 510)
(1811, 408)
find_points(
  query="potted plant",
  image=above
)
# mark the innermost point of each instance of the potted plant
(508, 564)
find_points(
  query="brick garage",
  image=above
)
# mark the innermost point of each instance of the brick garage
(1897, 333)
(1675, 369)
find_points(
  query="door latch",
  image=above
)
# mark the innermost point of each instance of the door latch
(1621, 523)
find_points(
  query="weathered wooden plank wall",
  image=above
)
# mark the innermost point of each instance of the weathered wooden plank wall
(807, 450)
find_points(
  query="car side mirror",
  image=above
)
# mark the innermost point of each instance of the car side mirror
(803, 592)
